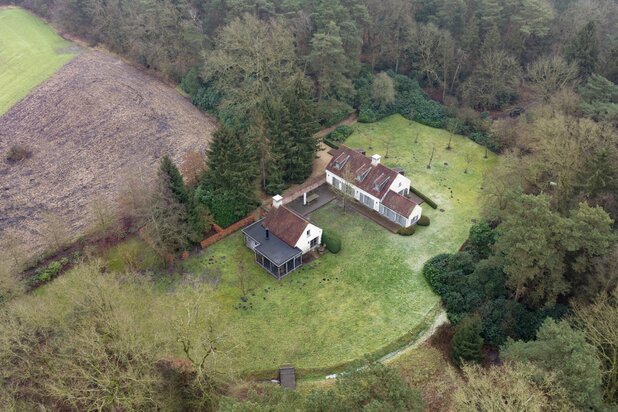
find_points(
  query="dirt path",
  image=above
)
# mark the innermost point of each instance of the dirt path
(90, 125)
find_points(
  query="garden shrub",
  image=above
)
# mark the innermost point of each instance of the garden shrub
(340, 133)
(47, 273)
(434, 268)
(426, 198)
(467, 342)
(423, 221)
(329, 143)
(331, 112)
(406, 231)
(332, 241)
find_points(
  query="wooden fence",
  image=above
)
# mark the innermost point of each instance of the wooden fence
(307, 186)
(222, 233)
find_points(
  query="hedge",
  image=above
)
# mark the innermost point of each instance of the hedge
(340, 133)
(332, 241)
(423, 221)
(406, 231)
(424, 197)
(329, 143)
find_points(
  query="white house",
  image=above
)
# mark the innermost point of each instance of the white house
(281, 239)
(374, 185)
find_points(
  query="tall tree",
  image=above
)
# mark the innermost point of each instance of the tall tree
(583, 49)
(467, 342)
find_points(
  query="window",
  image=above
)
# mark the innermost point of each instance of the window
(308, 232)
(314, 242)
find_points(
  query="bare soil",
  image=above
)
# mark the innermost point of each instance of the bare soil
(94, 122)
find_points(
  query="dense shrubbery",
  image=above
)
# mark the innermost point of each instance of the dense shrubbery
(468, 285)
(410, 101)
(423, 221)
(341, 133)
(332, 241)
(406, 231)
(330, 143)
(467, 342)
(331, 112)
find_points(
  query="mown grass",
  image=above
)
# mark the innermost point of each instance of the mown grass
(337, 308)
(30, 52)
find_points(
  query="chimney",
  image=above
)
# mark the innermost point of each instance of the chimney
(375, 159)
(267, 233)
(277, 201)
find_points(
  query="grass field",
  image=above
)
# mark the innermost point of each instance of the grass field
(335, 309)
(30, 52)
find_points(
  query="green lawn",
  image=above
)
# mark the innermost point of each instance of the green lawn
(369, 299)
(343, 306)
(30, 52)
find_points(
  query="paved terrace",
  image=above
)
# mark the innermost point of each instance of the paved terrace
(326, 195)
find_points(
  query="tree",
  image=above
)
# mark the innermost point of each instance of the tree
(243, 279)
(512, 387)
(328, 61)
(598, 322)
(229, 184)
(549, 74)
(383, 90)
(54, 231)
(192, 168)
(171, 175)
(564, 351)
(600, 99)
(374, 387)
(583, 49)
(467, 342)
(494, 82)
(103, 214)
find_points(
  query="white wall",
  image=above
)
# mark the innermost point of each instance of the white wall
(357, 191)
(415, 215)
(304, 241)
(400, 183)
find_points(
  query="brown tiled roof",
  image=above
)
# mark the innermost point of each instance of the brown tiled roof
(285, 224)
(374, 180)
(398, 203)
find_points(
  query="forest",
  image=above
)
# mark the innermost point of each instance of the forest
(534, 286)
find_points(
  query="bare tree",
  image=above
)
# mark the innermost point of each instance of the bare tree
(243, 280)
(103, 214)
(433, 151)
(54, 231)
(468, 159)
(12, 247)
(346, 192)
(192, 166)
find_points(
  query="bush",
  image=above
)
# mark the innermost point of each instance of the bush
(467, 342)
(329, 143)
(17, 153)
(332, 112)
(423, 221)
(434, 269)
(406, 231)
(427, 200)
(332, 241)
(340, 133)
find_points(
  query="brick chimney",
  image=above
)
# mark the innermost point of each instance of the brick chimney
(375, 159)
(277, 201)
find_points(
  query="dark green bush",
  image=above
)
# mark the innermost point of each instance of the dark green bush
(435, 268)
(426, 198)
(340, 133)
(467, 342)
(329, 143)
(423, 221)
(332, 112)
(332, 241)
(406, 231)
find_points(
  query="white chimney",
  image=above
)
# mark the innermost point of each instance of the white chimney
(375, 159)
(277, 201)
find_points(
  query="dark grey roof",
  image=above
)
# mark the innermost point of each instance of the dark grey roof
(275, 249)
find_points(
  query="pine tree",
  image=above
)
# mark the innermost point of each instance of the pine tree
(228, 187)
(176, 185)
(584, 49)
(467, 342)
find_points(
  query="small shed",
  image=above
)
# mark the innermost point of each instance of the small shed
(287, 377)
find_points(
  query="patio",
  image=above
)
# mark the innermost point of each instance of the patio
(325, 196)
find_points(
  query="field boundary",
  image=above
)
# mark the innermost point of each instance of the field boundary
(223, 233)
